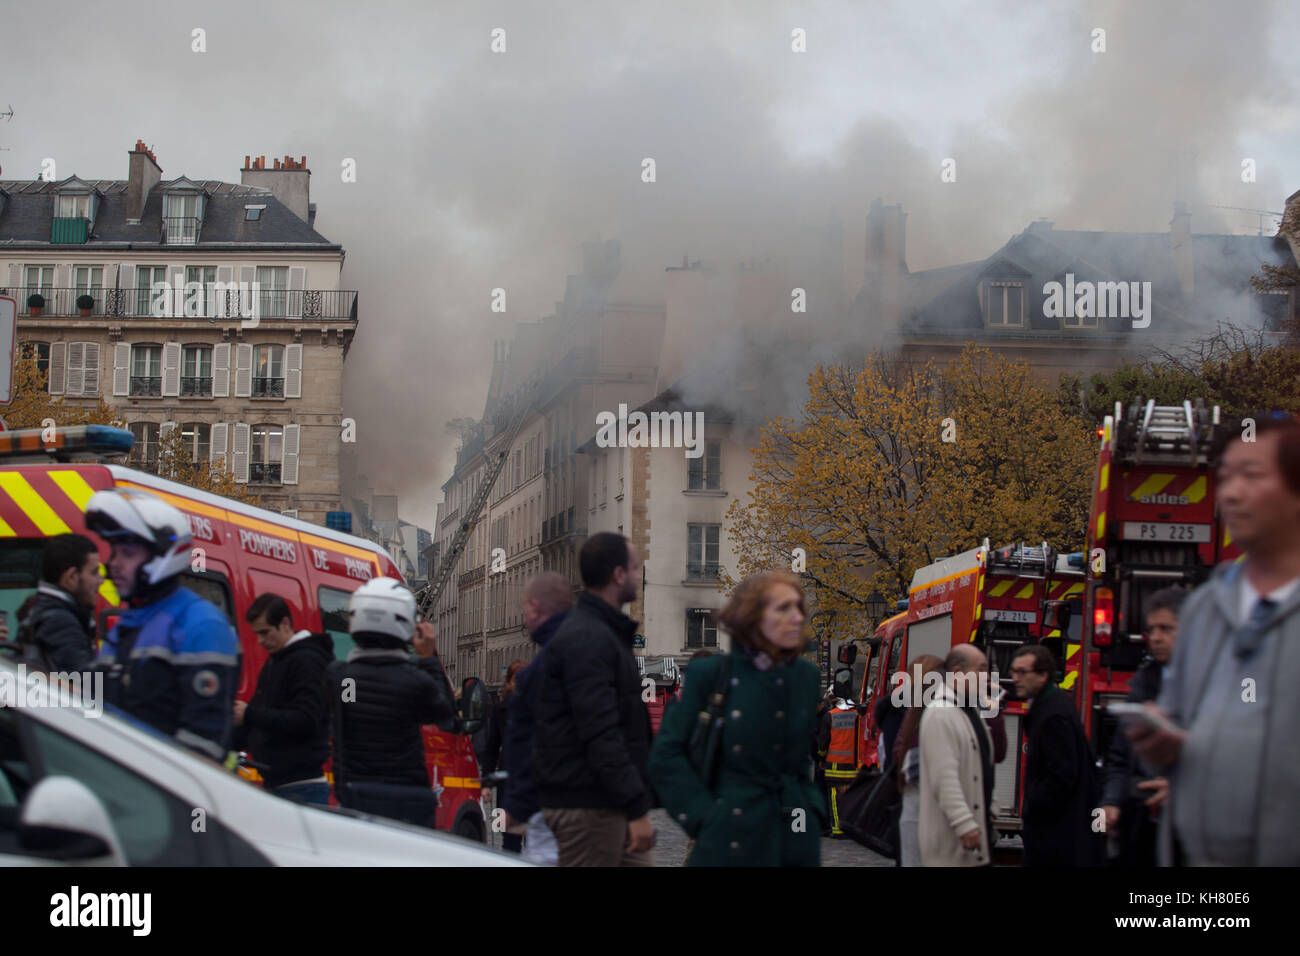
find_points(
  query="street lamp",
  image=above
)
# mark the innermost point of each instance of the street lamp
(877, 607)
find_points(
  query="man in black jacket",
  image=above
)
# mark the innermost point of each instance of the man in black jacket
(592, 746)
(56, 634)
(546, 601)
(286, 724)
(1133, 795)
(379, 699)
(1060, 782)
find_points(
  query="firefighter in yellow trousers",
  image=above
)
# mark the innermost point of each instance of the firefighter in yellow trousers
(840, 755)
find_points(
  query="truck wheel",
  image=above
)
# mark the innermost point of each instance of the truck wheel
(469, 825)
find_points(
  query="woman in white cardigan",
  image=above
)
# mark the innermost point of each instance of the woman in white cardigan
(954, 809)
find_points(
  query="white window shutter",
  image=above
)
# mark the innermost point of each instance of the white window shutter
(126, 276)
(242, 434)
(289, 463)
(243, 370)
(121, 368)
(225, 278)
(293, 371)
(297, 281)
(171, 368)
(62, 280)
(165, 429)
(110, 276)
(90, 365)
(16, 282)
(58, 367)
(217, 444)
(221, 371)
(76, 367)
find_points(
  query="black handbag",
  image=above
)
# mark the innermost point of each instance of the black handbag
(706, 738)
(870, 808)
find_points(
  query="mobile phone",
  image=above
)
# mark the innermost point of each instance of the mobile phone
(1138, 712)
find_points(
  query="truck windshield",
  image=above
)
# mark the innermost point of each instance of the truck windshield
(20, 572)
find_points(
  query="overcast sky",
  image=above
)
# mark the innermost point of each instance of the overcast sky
(478, 170)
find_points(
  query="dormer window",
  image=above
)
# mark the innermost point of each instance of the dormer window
(253, 213)
(183, 213)
(74, 207)
(1003, 302)
(74, 212)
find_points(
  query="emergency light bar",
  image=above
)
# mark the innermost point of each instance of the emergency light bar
(77, 441)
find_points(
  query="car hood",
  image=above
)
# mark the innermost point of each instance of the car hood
(357, 839)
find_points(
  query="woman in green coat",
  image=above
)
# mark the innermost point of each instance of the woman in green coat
(764, 809)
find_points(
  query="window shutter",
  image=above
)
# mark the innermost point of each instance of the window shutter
(121, 368)
(175, 292)
(243, 370)
(126, 276)
(165, 429)
(289, 463)
(76, 367)
(217, 444)
(297, 281)
(293, 371)
(90, 366)
(241, 452)
(110, 276)
(62, 280)
(225, 278)
(221, 371)
(58, 367)
(171, 368)
(16, 282)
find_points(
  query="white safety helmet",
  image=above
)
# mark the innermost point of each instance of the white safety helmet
(136, 515)
(383, 606)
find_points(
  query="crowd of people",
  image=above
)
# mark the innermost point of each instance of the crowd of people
(1211, 774)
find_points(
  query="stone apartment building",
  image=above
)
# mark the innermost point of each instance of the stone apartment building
(254, 383)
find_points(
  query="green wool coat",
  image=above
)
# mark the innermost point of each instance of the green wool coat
(766, 811)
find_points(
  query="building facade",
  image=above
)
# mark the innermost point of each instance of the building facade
(210, 307)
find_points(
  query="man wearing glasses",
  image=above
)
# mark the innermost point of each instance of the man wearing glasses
(1133, 796)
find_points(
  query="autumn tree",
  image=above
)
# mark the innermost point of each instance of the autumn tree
(894, 465)
(33, 404)
(176, 462)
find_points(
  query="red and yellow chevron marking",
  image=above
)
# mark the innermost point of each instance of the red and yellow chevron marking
(979, 603)
(1191, 486)
(1072, 661)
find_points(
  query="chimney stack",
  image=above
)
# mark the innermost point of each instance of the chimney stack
(1180, 247)
(289, 181)
(143, 174)
(886, 265)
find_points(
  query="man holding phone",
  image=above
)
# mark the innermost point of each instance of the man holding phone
(1234, 755)
(1133, 796)
(56, 634)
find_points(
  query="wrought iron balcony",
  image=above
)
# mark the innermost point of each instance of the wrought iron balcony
(703, 572)
(264, 473)
(196, 386)
(146, 386)
(181, 230)
(268, 388)
(193, 301)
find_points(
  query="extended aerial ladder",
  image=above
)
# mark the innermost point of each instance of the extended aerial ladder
(427, 597)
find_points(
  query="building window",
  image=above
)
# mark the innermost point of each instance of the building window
(181, 220)
(701, 628)
(40, 351)
(267, 448)
(196, 371)
(702, 551)
(89, 280)
(145, 277)
(196, 436)
(705, 473)
(40, 281)
(146, 370)
(144, 452)
(74, 207)
(268, 371)
(204, 278)
(1004, 304)
(273, 285)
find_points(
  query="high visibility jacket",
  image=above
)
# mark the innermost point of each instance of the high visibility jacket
(844, 733)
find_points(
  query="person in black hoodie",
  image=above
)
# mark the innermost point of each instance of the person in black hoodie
(286, 725)
(546, 600)
(1133, 794)
(56, 632)
(379, 698)
(592, 747)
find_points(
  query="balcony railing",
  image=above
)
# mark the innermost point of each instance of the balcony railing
(193, 302)
(264, 473)
(195, 386)
(703, 572)
(146, 386)
(181, 230)
(69, 230)
(268, 388)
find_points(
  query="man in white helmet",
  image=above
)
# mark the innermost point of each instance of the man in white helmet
(380, 696)
(172, 658)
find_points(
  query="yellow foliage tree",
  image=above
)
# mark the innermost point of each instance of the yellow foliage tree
(895, 465)
(176, 462)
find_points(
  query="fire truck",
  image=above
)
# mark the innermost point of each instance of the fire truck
(241, 551)
(997, 599)
(1153, 524)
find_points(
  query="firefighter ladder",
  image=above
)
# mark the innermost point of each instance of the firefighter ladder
(427, 598)
(1166, 432)
(1024, 560)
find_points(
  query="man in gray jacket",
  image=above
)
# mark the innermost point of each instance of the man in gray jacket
(1235, 755)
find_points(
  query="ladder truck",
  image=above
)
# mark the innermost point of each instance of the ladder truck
(1153, 524)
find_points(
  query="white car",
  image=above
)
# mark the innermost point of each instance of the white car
(106, 791)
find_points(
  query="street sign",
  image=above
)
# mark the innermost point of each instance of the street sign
(638, 640)
(8, 340)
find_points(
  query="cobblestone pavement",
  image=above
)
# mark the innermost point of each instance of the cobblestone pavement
(670, 847)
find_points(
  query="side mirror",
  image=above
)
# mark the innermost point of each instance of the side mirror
(848, 654)
(1056, 616)
(844, 683)
(473, 705)
(62, 820)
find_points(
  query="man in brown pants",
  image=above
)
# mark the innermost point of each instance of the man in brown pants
(592, 744)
